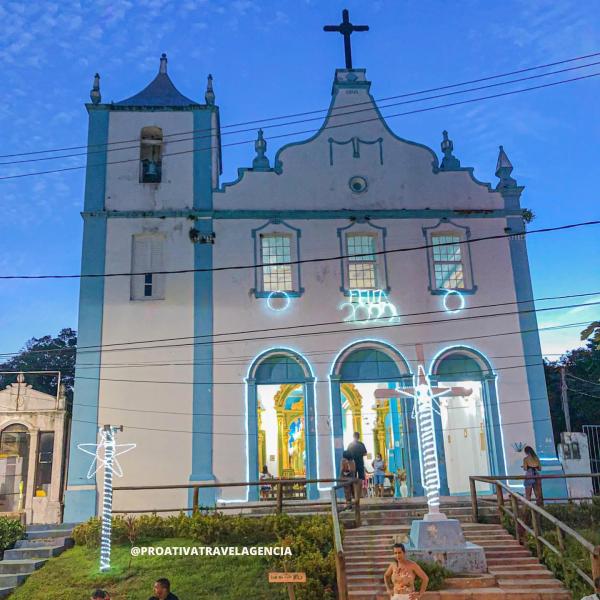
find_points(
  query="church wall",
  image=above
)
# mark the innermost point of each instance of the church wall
(164, 435)
(236, 309)
(123, 188)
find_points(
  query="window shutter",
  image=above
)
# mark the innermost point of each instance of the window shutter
(140, 263)
(157, 264)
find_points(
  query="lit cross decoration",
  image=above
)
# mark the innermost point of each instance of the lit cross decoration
(108, 460)
(346, 28)
(425, 403)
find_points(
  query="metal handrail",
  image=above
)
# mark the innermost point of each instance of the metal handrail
(196, 487)
(536, 512)
(340, 559)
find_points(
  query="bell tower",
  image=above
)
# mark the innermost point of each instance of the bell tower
(154, 160)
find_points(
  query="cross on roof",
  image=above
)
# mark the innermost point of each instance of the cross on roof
(346, 28)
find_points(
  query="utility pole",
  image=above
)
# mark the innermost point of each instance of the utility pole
(565, 398)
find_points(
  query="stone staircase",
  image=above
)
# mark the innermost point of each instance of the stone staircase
(42, 542)
(513, 573)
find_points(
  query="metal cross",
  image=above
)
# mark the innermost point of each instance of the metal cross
(346, 28)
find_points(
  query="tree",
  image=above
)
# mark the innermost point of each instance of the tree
(583, 381)
(45, 354)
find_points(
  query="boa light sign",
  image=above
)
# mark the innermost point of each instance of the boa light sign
(366, 306)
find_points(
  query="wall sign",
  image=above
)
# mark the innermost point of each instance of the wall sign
(368, 306)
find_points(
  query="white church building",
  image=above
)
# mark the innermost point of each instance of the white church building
(388, 258)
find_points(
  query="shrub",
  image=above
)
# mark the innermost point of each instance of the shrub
(11, 530)
(437, 574)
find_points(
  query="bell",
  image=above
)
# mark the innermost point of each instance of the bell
(151, 169)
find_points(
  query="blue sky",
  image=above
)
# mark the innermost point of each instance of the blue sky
(272, 58)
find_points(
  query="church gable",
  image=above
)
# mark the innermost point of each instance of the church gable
(355, 162)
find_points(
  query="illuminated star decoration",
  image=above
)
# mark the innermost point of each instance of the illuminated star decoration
(425, 397)
(111, 466)
(100, 461)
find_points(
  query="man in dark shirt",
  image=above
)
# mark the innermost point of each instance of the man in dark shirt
(162, 590)
(358, 451)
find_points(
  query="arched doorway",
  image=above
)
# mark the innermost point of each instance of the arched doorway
(14, 465)
(470, 424)
(383, 424)
(281, 418)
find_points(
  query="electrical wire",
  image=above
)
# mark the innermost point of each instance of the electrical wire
(336, 331)
(583, 380)
(210, 133)
(294, 115)
(312, 131)
(300, 326)
(304, 260)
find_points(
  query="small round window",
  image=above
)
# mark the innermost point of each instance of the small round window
(357, 184)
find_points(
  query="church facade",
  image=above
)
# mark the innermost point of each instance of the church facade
(248, 324)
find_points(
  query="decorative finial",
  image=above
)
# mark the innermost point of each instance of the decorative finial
(503, 170)
(21, 378)
(95, 91)
(260, 162)
(163, 63)
(209, 95)
(449, 162)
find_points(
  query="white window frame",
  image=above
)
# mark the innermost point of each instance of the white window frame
(364, 229)
(362, 261)
(277, 227)
(287, 271)
(446, 228)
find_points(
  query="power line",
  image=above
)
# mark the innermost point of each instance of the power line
(237, 415)
(336, 331)
(210, 133)
(294, 115)
(311, 131)
(316, 435)
(583, 393)
(243, 383)
(305, 260)
(589, 381)
(299, 326)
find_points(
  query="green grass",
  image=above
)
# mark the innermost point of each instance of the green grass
(74, 575)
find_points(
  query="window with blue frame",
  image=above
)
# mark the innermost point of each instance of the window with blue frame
(447, 262)
(362, 263)
(275, 251)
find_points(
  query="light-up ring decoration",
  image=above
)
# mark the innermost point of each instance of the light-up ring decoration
(452, 294)
(278, 294)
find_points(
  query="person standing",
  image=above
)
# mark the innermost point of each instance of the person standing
(358, 451)
(348, 471)
(532, 468)
(400, 577)
(378, 475)
(265, 488)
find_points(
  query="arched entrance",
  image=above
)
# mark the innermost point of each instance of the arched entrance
(470, 424)
(383, 424)
(281, 418)
(14, 466)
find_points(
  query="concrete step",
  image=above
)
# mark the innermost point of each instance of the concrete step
(23, 566)
(530, 584)
(475, 594)
(12, 580)
(5, 592)
(32, 553)
(42, 542)
(511, 562)
(36, 534)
